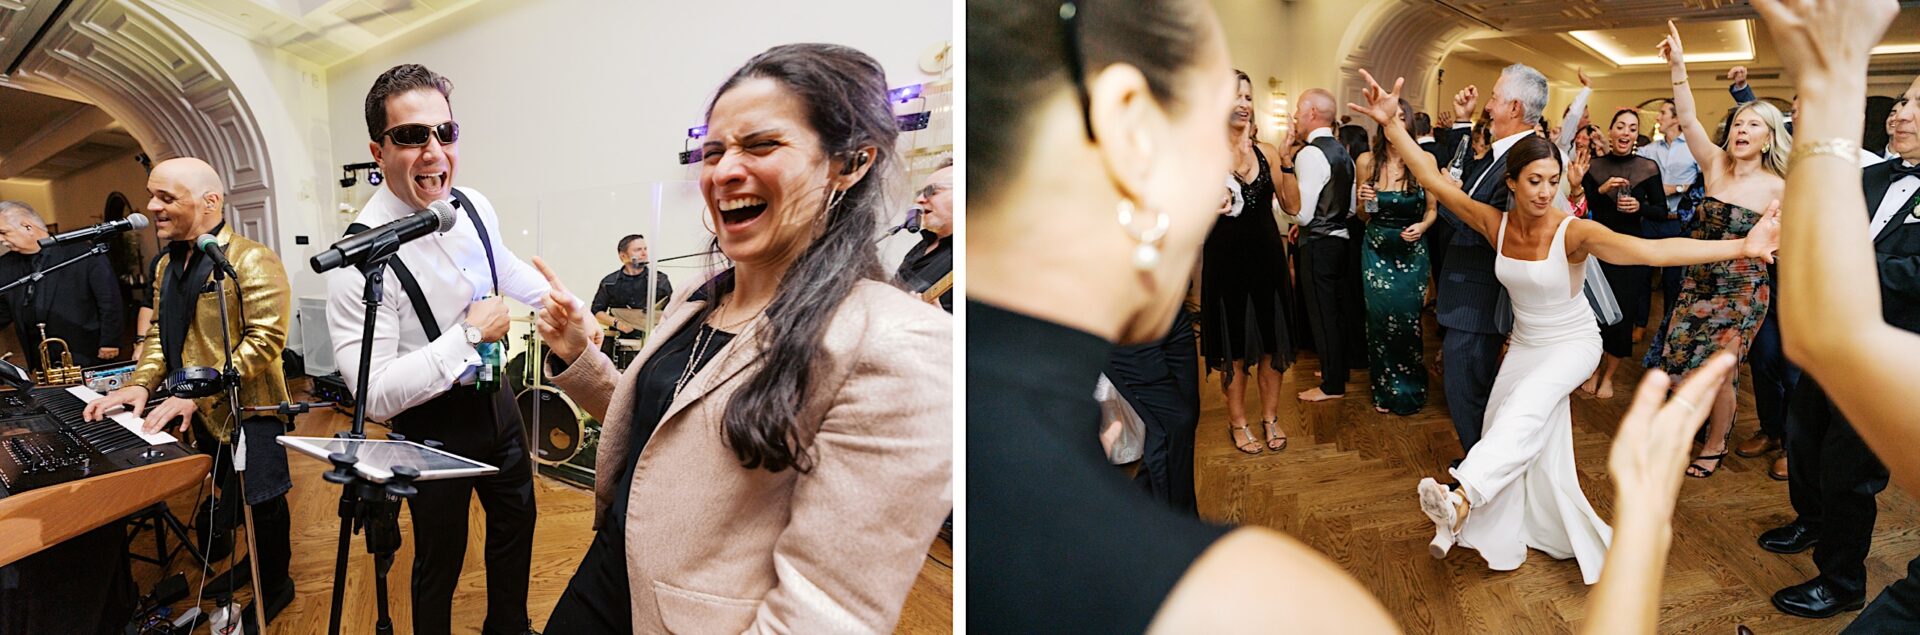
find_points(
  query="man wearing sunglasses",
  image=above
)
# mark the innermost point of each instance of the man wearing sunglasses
(930, 264)
(442, 317)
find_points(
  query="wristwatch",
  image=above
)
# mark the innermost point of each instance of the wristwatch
(473, 333)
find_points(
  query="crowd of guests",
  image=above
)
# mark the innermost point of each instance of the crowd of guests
(1348, 233)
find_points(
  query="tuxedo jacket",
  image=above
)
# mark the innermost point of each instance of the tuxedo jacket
(1896, 248)
(1469, 295)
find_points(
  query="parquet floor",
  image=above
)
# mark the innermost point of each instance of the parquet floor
(1345, 485)
(561, 536)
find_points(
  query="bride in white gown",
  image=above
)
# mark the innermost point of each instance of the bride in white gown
(1518, 488)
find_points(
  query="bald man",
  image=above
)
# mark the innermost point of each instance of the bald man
(1316, 189)
(79, 303)
(188, 199)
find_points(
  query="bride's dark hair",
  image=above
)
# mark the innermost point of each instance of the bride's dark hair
(1529, 149)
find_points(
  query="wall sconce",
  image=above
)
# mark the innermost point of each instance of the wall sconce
(1277, 102)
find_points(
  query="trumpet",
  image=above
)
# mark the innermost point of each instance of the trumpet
(50, 373)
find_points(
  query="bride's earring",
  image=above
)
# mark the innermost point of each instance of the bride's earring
(1146, 254)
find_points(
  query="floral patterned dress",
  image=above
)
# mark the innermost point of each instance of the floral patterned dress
(1718, 301)
(1394, 273)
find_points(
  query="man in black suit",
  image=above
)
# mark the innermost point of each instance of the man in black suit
(1423, 134)
(79, 303)
(1471, 301)
(1835, 476)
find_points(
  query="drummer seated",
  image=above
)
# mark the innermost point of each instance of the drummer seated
(626, 288)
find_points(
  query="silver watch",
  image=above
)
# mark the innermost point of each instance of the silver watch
(473, 333)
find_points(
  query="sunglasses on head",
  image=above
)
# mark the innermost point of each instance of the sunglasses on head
(415, 134)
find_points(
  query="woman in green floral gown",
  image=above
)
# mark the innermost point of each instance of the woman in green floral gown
(1394, 271)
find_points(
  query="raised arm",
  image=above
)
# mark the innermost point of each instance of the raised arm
(1570, 125)
(1704, 152)
(1834, 328)
(1590, 238)
(1383, 107)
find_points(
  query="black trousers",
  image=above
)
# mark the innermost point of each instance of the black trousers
(267, 484)
(485, 428)
(1832, 485)
(82, 586)
(1896, 611)
(1161, 380)
(1773, 376)
(1333, 307)
(1629, 285)
(599, 597)
(1669, 276)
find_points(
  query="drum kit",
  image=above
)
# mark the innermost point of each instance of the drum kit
(564, 436)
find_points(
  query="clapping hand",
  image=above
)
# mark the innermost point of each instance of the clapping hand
(1764, 239)
(564, 324)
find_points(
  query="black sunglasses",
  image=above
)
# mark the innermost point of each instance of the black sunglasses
(415, 134)
(1070, 24)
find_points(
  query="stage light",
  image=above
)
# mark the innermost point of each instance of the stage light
(904, 94)
(347, 181)
(696, 132)
(373, 177)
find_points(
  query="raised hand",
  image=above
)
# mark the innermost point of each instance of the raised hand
(1764, 239)
(1822, 40)
(1670, 49)
(564, 324)
(1737, 76)
(1584, 80)
(1654, 443)
(1383, 106)
(1463, 103)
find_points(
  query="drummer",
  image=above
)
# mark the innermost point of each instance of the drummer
(626, 288)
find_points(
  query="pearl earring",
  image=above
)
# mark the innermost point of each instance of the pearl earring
(1146, 255)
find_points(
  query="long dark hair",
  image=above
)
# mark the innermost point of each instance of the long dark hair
(1354, 138)
(1017, 59)
(1384, 152)
(845, 92)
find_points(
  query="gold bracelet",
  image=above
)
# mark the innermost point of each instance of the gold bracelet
(1683, 80)
(1836, 148)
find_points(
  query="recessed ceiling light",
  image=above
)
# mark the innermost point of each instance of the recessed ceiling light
(1894, 49)
(1606, 44)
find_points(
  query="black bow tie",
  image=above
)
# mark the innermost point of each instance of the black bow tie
(1901, 169)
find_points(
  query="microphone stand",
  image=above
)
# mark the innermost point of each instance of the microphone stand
(366, 504)
(99, 248)
(230, 376)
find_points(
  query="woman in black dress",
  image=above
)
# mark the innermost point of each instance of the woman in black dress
(1243, 287)
(1621, 188)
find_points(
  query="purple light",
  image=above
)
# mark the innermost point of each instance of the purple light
(696, 132)
(904, 94)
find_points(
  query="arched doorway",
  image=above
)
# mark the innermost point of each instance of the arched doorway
(148, 74)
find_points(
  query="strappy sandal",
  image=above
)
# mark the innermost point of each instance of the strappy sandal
(1234, 433)
(1274, 432)
(1696, 471)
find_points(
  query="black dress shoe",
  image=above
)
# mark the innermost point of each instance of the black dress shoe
(1791, 538)
(1817, 599)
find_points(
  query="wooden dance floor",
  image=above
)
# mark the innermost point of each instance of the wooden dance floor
(1345, 485)
(561, 535)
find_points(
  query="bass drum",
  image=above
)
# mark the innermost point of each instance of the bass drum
(556, 423)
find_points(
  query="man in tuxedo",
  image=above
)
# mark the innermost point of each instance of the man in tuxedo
(1316, 187)
(1469, 294)
(1423, 135)
(79, 303)
(1835, 476)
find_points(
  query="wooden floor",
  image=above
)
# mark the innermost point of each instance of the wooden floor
(1345, 485)
(561, 536)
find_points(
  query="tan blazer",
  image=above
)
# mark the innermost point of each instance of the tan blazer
(713, 547)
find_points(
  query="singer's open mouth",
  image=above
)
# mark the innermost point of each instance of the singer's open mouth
(741, 210)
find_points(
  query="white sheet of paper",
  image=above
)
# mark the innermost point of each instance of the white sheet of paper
(123, 417)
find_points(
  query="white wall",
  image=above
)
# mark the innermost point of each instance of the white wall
(571, 109)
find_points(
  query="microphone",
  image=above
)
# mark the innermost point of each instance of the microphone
(353, 250)
(912, 224)
(109, 228)
(210, 246)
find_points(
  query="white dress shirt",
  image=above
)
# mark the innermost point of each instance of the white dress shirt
(1500, 148)
(1313, 172)
(1677, 166)
(1898, 193)
(408, 370)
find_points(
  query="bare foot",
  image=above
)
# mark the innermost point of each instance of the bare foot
(1381, 410)
(1606, 389)
(1591, 384)
(1315, 394)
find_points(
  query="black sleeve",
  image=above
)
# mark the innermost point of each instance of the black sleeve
(1899, 286)
(1653, 197)
(600, 294)
(6, 309)
(665, 291)
(1448, 142)
(106, 296)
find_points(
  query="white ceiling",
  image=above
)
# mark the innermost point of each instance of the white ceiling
(47, 137)
(325, 32)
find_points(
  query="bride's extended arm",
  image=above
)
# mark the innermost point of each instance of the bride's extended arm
(1587, 237)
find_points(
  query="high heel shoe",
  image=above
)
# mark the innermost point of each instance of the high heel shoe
(1438, 503)
(1696, 471)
